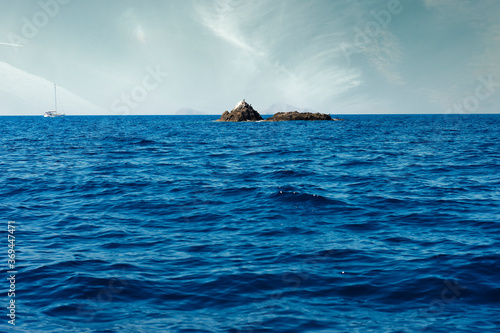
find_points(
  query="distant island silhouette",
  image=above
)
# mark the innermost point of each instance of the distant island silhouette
(189, 112)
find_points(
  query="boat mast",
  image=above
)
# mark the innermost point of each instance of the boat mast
(55, 97)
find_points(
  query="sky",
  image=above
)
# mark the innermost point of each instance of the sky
(333, 56)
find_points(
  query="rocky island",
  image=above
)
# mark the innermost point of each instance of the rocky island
(244, 112)
(241, 112)
(295, 115)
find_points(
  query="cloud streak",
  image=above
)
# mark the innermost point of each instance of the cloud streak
(11, 44)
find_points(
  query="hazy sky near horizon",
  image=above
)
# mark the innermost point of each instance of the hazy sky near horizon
(338, 57)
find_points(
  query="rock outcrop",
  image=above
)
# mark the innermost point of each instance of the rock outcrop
(295, 115)
(241, 112)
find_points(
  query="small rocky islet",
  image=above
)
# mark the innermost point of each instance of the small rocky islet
(241, 112)
(245, 112)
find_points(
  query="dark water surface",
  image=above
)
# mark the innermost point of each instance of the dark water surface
(182, 224)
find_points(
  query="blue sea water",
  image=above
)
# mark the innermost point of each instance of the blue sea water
(385, 223)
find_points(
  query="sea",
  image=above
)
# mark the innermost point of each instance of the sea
(378, 223)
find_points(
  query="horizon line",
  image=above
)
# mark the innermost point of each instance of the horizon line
(267, 114)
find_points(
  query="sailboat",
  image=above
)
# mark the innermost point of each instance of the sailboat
(54, 113)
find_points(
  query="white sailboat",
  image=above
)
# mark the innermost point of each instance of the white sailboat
(54, 113)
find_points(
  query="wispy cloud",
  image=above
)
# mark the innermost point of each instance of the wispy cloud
(132, 23)
(384, 55)
(226, 18)
(298, 58)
